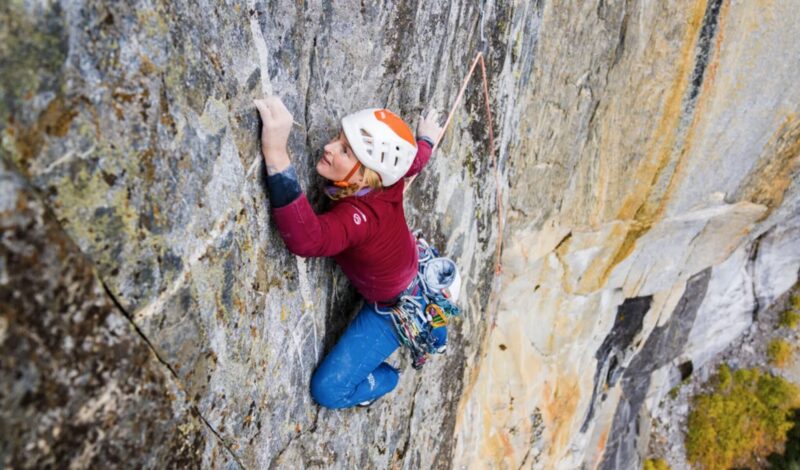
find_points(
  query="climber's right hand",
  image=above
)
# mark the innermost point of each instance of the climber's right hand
(429, 125)
(276, 125)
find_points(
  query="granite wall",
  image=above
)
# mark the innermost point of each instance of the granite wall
(648, 162)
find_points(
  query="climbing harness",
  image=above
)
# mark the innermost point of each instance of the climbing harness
(435, 284)
(413, 323)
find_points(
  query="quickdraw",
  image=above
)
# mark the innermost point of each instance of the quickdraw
(413, 323)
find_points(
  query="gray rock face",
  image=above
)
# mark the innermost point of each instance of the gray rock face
(78, 386)
(134, 121)
(639, 145)
(663, 346)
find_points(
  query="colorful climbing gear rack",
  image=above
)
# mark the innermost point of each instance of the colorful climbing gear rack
(414, 324)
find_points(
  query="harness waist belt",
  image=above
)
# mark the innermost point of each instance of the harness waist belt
(412, 289)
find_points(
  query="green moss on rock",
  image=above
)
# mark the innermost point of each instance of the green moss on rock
(656, 464)
(791, 316)
(779, 352)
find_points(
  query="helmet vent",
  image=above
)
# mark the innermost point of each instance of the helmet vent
(396, 159)
(382, 156)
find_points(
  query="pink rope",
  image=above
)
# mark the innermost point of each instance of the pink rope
(478, 57)
(467, 78)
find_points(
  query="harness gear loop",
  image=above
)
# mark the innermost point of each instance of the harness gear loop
(413, 323)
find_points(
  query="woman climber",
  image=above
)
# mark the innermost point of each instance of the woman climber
(365, 231)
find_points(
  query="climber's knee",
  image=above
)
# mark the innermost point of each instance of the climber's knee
(327, 388)
(386, 378)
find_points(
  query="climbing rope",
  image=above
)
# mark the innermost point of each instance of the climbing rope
(479, 60)
(412, 323)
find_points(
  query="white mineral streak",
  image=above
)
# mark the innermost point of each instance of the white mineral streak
(308, 309)
(261, 49)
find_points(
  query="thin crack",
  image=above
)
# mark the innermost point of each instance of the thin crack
(149, 344)
(312, 57)
(402, 452)
(525, 459)
(310, 430)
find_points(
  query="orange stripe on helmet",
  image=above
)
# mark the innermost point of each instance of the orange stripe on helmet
(396, 124)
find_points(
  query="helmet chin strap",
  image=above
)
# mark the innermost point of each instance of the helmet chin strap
(344, 182)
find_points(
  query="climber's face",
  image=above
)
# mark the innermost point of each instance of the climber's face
(337, 160)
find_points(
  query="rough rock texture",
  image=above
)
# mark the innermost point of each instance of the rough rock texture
(660, 144)
(749, 350)
(79, 387)
(134, 122)
(643, 148)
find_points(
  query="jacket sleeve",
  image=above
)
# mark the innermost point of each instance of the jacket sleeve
(308, 234)
(283, 187)
(424, 150)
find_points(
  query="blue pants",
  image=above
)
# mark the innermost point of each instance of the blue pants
(354, 371)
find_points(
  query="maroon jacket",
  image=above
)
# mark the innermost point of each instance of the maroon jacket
(367, 235)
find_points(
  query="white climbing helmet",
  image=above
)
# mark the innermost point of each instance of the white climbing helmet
(382, 142)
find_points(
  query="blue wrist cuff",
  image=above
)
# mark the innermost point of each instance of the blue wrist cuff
(427, 139)
(283, 187)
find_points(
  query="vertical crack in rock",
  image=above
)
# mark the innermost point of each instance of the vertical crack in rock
(401, 453)
(402, 29)
(677, 123)
(615, 348)
(452, 377)
(663, 345)
(306, 111)
(750, 267)
(623, 33)
(703, 56)
(171, 371)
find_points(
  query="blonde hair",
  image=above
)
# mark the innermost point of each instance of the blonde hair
(369, 178)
